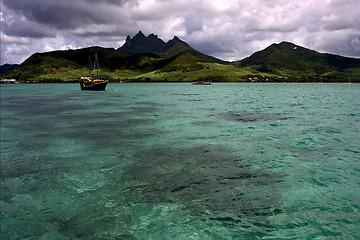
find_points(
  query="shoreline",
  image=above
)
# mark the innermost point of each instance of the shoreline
(130, 82)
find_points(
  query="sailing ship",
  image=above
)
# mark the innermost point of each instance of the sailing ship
(93, 82)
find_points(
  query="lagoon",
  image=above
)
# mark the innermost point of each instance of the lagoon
(178, 161)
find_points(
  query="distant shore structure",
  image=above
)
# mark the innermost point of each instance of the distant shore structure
(8, 81)
(201, 83)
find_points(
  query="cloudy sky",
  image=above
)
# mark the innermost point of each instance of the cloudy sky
(226, 29)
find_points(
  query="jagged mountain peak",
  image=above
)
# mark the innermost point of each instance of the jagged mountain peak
(139, 35)
(153, 45)
(142, 44)
(175, 38)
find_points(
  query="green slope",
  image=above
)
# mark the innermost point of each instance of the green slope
(192, 66)
(177, 46)
(174, 47)
(186, 62)
(290, 60)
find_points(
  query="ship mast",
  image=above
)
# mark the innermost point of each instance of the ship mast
(97, 67)
(90, 67)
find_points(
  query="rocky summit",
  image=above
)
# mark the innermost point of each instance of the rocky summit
(142, 44)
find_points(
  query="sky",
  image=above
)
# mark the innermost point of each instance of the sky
(227, 29)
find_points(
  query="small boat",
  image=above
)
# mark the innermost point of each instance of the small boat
(201, 83)
(92, 83)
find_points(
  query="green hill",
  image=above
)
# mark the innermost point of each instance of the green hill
(185, 62)
(7, 67)
(290, 60)
(191, 66)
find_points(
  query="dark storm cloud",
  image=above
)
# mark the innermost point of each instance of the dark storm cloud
(64, 14)
(23, 28)
(227, 29)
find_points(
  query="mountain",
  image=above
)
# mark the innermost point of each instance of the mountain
(153, 46)
(288, 59)
(7, 67)
(149, 58)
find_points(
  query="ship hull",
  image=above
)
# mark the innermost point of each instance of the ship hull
(93, 86)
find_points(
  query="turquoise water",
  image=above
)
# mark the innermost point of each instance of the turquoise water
(177, 161)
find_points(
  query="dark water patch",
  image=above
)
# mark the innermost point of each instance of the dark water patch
(204, 123)
(124, 237)
(138, 110)
(202, 138)
(33, 143)
(251, 116)
(109, 135)
(153, 104)
(260, 224)
(322, 130)
(255, 177)
(105, 122)
(186, 94)
(100, 135)
(291, 225)
(319, 182)
(180, 188)
(187, 186)
(193, 100)
(109, 124)
(328, 129)
(34, 165)
(84, 117)
(61, 105)
(33, 106)
(27, 139)
(205, 179)
(141, 95)
(138, 122)
(86, 224)
(296, 105)
(227, 221)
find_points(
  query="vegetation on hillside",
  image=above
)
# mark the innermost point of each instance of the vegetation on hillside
(177, 61)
